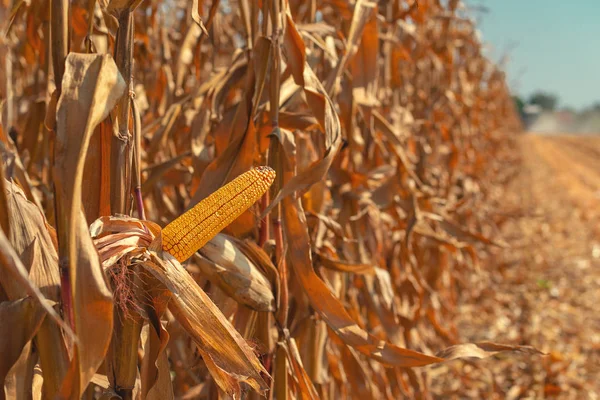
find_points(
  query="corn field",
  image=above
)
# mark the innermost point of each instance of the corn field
(276, 199)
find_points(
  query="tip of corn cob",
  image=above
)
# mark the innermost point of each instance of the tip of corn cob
(267, 173)
(194, 228)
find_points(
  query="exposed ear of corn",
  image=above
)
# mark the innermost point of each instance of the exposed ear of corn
(190, 231)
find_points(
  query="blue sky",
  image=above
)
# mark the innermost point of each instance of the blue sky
(553, 45)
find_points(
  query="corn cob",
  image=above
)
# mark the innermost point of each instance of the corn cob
(190, 231)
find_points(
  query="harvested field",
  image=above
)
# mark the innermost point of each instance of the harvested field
(544, 288)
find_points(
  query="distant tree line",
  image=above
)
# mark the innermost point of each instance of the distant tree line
(546, 101)
(549, 102)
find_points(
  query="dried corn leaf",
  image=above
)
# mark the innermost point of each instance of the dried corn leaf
(30, 237)
(329, 307)
(15, 281)
(33, 240)
(364, 63)
(4, 214)
(345, 266)
(90, 88)
(155, 371)
(221, 344)
(482, 350)
(323, 109)
(20, 321)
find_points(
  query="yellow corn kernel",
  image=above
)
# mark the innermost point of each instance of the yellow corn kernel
(190, 231)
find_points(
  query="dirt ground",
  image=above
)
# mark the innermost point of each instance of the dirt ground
(545, 288)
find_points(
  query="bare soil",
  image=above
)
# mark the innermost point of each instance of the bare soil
(544, 290)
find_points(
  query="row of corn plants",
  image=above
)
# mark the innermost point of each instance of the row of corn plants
(227, 199)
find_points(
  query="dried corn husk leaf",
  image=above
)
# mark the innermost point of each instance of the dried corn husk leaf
(227, 265)
(227, 354)
(118, 236)
(223, 347)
